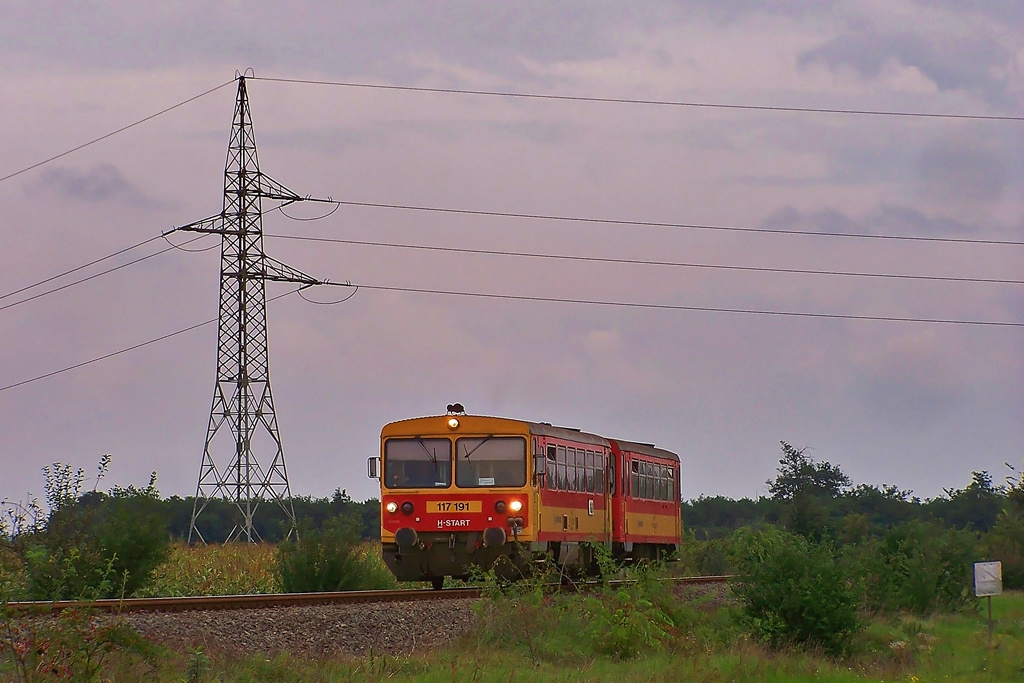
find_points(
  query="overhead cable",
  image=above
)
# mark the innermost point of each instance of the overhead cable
(78, 268)
(591, 302)
(94, 276)
(706, 309)
(688, 226)
(625, 100)
(644, 262)
(115, 132)
(124, 350)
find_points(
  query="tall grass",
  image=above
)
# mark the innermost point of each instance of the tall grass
(242, 569)
(545, 637)
(14, 581)
(228, 569)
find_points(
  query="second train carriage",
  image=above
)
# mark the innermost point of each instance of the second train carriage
(463, 490)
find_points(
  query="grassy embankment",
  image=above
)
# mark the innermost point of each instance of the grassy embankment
(641, 634)
(555, 641)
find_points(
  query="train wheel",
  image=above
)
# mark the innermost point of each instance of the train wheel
(437, 582)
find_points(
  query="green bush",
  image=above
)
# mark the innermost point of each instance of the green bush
(330, 559)
(93, 545)
(1005, 541)
(13, 578)
(919, 567)
(793, 590)
(622, 620)
(74, 646)
(628, 621)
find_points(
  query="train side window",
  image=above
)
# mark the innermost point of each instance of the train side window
(570, 461)
(590, 472)
(599, 473)
(581, 471)
(635, 466)
(552, 477)
(563, 478)
(539, 464)
(650, 480)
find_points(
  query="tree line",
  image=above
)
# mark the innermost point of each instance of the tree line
(819, 502)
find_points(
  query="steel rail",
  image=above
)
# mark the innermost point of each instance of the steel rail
(267, 600)
(255, 601)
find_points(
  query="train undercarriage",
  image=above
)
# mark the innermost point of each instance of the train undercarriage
(431, 557)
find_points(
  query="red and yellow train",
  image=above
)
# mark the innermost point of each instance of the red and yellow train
(463, 490)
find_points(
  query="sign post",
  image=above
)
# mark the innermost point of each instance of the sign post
(988, 581)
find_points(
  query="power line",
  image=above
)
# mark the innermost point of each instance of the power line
(624, 100)
(643, 262)
(78, 268)
(106, 356)
(91, 277)
(100, 260)
(706, 309)
(687, 226)
(565, 257)
(590, 302)
(115, 132)
(124, 350)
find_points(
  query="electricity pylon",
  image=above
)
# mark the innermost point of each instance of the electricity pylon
(242, 400)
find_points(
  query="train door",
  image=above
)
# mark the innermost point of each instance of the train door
(617, 471)
(591, 480)
(607, 488)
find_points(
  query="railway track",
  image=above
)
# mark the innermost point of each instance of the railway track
(241, 602)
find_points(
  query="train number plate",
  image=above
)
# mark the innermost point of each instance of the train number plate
(443, 506)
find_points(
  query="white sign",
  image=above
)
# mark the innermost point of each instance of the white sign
(988, 578)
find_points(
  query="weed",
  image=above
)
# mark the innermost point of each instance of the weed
(197, 666)
(228, 569)
(793, 591)
(330, 559)
(74, 646)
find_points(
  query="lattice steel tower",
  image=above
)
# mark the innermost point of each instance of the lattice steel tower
(243, 404)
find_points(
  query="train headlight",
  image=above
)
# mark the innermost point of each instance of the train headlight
(392, 507)
(515, 505)
(407, 507)
(453, 423)
(499, 507)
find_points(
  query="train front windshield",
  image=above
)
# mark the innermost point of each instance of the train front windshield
(480, 462)
(418, 463)
(490, 461)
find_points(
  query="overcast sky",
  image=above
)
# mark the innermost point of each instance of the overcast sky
(918, 405)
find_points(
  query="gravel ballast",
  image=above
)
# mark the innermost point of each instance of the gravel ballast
(353, 629)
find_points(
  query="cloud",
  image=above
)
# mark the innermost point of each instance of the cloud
(897, 219)
(886, 218)
(911, 381)
(961, 170)
(950, 56)
(823, 220)
(103, 183)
